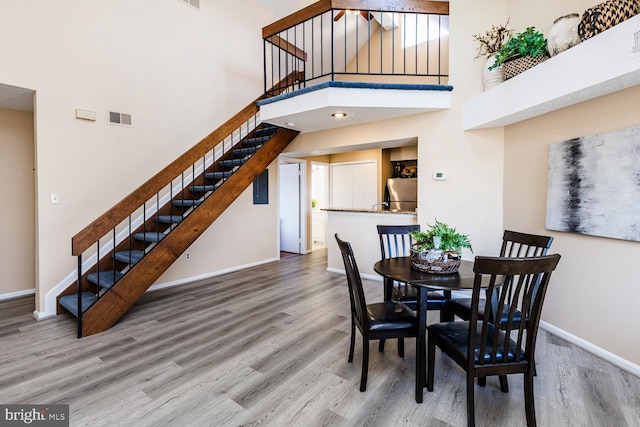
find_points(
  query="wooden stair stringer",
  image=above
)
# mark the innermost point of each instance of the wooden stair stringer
(115, 303)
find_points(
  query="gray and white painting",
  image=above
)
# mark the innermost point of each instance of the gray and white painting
(594, 185)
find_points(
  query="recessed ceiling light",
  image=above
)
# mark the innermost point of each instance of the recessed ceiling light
(339, 115)
(291, 124)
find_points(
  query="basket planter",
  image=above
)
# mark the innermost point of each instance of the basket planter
(519, 64)
(446, 262)
(491, 78)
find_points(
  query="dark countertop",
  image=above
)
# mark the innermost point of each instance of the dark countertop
(369, 211)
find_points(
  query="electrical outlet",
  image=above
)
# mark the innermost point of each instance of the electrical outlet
(187, 256)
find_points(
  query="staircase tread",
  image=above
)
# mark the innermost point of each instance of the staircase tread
(70, 302)
(150, 236)
(255, 142)
(187, 202)
(232, 162)
(105, 279)
(242, 152)
(130, 257)
(169, 219)
(266, 129)
(218, 175)
(204, 188)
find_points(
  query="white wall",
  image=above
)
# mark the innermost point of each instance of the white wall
(171, 66)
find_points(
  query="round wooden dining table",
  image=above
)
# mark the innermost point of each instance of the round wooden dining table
(399, 269)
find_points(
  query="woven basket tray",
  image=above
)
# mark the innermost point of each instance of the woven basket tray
(519, 64)
(448, 263)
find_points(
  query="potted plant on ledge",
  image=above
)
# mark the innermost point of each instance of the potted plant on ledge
(438, 250)
(489, 44)
(522, 52)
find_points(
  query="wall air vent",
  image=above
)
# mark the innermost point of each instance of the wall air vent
(119, 118)
(194, 3)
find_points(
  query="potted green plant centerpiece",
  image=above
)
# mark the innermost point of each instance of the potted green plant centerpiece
(438, 249)
(522, 52)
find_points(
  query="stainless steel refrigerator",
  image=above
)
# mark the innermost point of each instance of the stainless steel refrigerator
(402, 194)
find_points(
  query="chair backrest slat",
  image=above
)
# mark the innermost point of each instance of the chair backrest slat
(518, 286)
(395, 240)
(521, 245)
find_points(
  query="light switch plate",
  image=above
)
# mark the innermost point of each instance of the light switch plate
(85, 115)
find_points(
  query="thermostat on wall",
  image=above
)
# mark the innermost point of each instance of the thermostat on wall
(439, 176)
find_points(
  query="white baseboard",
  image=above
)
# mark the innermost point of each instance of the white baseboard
(41, 316)
(375, 277)
(207, 275)
(614, 359)
(17, 294)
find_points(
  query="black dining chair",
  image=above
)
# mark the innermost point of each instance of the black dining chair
(495, 344)
(378, 321)
(395, 241)
(514, 245)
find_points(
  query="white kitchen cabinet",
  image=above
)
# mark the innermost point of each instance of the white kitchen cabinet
(354, 185)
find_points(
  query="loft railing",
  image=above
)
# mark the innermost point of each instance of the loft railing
(360, 40)
(113, 231)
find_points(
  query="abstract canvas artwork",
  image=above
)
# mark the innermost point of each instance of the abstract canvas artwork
(594, 185)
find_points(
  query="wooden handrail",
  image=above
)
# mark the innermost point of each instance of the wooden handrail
(114, 216)
(322, 6)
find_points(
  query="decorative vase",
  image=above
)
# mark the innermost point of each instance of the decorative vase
(491, 78)
(563, 34)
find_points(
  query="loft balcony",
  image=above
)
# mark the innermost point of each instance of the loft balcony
(365, 59)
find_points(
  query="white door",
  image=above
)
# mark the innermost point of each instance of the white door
(290, 227)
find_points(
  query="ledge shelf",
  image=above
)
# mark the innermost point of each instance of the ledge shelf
(603, 64)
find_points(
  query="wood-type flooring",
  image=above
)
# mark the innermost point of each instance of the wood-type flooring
(267, 346)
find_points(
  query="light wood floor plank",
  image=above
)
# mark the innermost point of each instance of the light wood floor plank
(268, 346)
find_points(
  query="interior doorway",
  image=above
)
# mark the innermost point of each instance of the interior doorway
(18, 182)
(291, 196)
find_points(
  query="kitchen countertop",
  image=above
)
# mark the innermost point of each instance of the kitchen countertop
(368, 211)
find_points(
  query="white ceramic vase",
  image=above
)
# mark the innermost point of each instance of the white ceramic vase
(491, 78)
(563, 34)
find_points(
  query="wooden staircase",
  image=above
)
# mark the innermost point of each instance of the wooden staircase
(130, 246)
